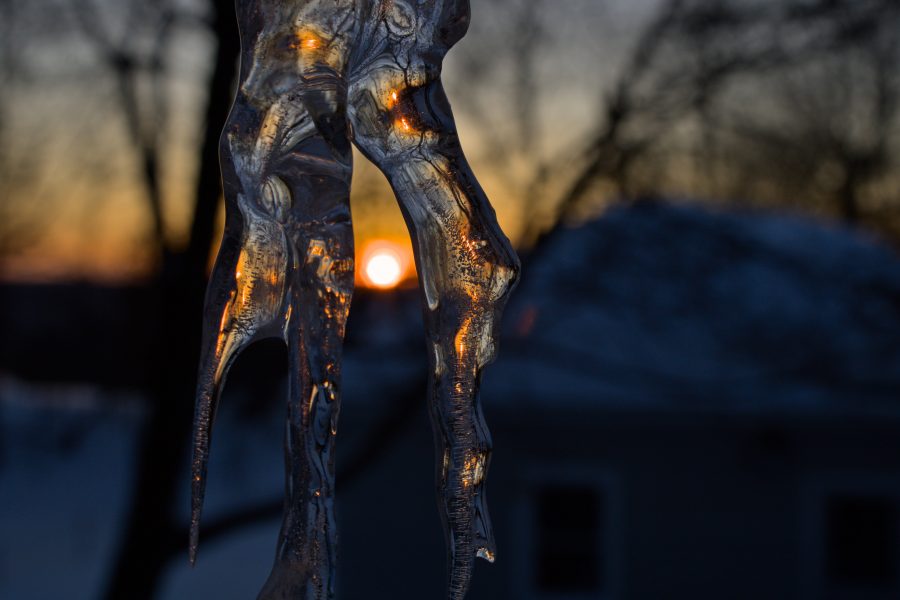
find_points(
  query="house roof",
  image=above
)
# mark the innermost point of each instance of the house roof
(654, 304)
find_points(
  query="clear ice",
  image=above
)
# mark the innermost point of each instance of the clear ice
(315, 76)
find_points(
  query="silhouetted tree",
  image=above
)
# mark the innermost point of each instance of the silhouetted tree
(18, 226)
(830, 134)
(153, 527)
(744, 100)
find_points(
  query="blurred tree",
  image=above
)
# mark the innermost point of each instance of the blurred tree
(154, 528)
(763, 102)
(134, 56)
(830, 136)
(18, 226)
(518, 141)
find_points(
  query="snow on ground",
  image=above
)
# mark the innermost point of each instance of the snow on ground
(65, 460)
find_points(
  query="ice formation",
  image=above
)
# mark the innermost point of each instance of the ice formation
(315, 76)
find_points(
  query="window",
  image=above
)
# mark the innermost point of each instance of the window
(569, 540)
(861, 541)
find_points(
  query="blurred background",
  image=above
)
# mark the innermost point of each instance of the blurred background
(698, 390)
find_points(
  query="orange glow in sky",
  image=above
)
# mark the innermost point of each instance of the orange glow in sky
(384, 265)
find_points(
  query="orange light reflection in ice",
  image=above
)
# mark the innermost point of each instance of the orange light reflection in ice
(307, 40)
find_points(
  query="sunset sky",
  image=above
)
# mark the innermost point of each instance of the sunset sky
(74, 204)
(71, 172)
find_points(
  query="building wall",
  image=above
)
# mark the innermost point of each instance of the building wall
(704, 506)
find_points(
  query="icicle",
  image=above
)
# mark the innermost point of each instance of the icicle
(285, 268)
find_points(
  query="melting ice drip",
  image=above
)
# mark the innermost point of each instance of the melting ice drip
(316, 76)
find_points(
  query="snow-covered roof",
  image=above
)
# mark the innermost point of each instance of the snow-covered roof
(660, 303)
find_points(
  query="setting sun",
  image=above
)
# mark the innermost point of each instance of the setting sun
(384, 265)
(383, 270)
